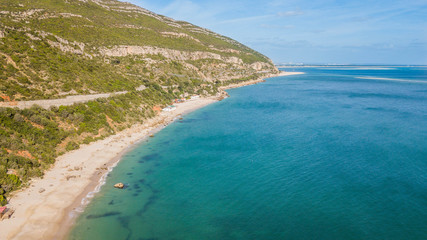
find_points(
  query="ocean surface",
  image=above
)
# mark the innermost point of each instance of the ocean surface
(336, 153)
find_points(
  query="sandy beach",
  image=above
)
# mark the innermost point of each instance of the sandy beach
(236, 85)
(45, 209)
(289, 73)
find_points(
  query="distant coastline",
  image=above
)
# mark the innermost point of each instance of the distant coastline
(344, 65)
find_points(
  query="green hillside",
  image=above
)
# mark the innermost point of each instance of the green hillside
(50, 49)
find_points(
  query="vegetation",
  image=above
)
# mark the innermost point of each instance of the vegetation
(31, 139)
(54, 48)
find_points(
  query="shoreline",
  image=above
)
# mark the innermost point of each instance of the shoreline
(155, 125)
(42, 210)
(251, 82)
(48, 208)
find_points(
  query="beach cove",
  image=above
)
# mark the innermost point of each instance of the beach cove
(42, 211)
(324, 155)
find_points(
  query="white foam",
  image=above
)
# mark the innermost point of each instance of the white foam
(86, 200)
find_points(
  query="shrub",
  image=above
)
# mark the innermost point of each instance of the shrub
(88, 140)
(3, 200)
(71, 146)
(14, 180)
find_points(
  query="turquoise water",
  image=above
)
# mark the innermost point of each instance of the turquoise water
(325, 155)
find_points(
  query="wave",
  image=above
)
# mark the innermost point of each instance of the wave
(86, 200)
(392, 79)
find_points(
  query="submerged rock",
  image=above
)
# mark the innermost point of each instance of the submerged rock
(119, 185)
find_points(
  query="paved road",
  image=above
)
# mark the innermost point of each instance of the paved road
(70, 100)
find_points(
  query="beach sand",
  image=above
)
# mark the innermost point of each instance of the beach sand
(236, 85)
(44, 209)
(288, 73)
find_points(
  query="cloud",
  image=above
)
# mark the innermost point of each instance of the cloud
(418, 44)
(300, 27)
(384, 46)
(283, 44)
(290, 13)
(274, 26)
(246, 19)
(361, 19)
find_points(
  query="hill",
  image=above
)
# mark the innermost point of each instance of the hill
(51, 49)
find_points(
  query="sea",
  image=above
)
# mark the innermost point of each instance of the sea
(339, 152)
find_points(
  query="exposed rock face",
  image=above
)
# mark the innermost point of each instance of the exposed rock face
(179, 35)
(68, 15)
(119, 185)
(122, 51)
(260, 65)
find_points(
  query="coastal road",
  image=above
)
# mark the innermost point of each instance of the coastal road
(69, 100)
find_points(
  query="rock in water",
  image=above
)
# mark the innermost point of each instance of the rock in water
(119, 185)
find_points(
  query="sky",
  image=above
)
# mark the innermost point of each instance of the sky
(313, 31)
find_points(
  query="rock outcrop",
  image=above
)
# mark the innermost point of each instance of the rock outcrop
(123, 51)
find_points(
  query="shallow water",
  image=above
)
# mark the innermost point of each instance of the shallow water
(325, 155)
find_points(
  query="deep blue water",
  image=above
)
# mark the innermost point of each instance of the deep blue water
(325, 155)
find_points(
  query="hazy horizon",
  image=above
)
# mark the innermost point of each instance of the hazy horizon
(348, 64)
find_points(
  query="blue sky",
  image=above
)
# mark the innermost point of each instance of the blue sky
(313, 31)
